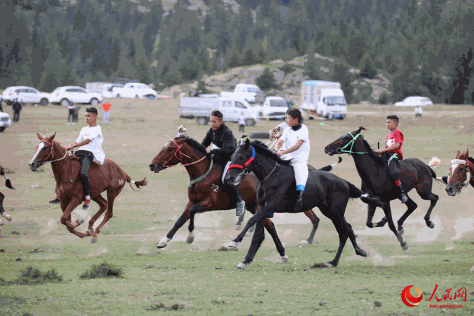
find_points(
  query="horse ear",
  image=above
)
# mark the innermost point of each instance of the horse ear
(247, 144)
(359, 130)
(39, 136)
(467, 152)
(458, 153)
(52, 137)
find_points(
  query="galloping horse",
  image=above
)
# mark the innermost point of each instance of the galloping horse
(373, 171)
(66, 169)
(206, 191)
(461, 173)
(8, 184)
(277, 194)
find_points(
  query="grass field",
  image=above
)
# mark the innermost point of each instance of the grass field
(197, 279)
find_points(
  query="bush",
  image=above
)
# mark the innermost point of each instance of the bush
(366, 92)
(287, 69)
(34, 276)
(266, 80)
(367, 67)
(103, 270)
(202, 87)
(383, 98)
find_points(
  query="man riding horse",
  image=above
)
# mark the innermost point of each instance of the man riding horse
(8, 185)
(223, 146)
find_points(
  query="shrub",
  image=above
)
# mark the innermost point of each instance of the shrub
(383, 98)
(266, 80)
(103, 270)
(34, 276)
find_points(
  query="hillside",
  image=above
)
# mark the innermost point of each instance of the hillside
(289, 83)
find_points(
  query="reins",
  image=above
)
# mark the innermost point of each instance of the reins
(180, 158)
(351, 143)
(249, 161)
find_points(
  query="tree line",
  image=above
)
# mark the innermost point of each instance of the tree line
(424, 47)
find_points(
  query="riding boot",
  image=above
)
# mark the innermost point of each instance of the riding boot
(299, 200)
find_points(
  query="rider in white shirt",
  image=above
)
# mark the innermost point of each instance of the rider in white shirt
(90, 149)
(296, 137)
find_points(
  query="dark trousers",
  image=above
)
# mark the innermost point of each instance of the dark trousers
(70, 116)
(242, 128)
(86, 161)
(16, 116)
(392, 167)
(1, 107)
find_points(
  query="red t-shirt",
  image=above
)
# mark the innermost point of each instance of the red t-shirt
(106, 106)
(395, 137)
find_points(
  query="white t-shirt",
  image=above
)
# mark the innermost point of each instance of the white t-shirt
(290, 137)
(95, 146)
(242, 120)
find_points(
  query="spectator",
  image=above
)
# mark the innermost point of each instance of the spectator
(242, 123)
(76, 113)
(16, 107)
(106, 108)
(71, 109)
(1, 107)
(418, 111)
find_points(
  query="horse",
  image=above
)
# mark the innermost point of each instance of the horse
(108, 177)
(373, 170)
(8, 184)
(277, 194)
(206, 191)
(461, 173)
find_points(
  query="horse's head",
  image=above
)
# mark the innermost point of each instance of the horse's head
(344, 143)
(169, 155)
(459, 173)
(44, 152)
(240, 160)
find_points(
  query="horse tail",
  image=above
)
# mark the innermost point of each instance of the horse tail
(443, 179)
(329, 167)
(433, 174)
(138, 184)
(355, 192)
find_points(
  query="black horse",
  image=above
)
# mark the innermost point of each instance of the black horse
(373, 171)
(8, 184)
(277, 194)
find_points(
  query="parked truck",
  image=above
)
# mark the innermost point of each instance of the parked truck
(134, 90)
(323, 98)
(200, 108)
(248, 92)
(273, 108)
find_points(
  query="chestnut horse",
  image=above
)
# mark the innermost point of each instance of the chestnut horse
(209, 194)
(460, 173)
(8, 184)
(69, 190)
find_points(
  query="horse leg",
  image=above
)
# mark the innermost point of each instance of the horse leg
(66, 217)
(111, 195)
(388, 213)
(270, 227)
(342, 232)
(102, 208)
(257, 239)
(433, 198)
(315, 220)
(196, 208)
(359, 251)
(411, 207)
(2, 210)
(180, 222)
(262, 213)
(238, 225)
(370, 216)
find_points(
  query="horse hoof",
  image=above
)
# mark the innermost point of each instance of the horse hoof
(190, 240)
(361, 252)
(81, 221)
(90, 231)
(241, 266)
(431, 225)
(1, 223)
(405, 246)
(248, 234)
(284, 258)
(94, 240)
(304, 242)
(160, 246)
(232, 244)
(238, 227)
(401, 231)
(8, 217)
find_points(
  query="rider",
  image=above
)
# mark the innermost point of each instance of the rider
(296, 136)
(393, 153)
(90, 148)
(223, 146)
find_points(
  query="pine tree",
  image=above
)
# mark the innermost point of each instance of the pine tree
(143, 75)
(266, 80)
(310, 66)
(343, 75)
(367, 68)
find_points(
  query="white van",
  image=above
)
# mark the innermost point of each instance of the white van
(248, 92)
(323, 98)
(273, 108)
(201, 107)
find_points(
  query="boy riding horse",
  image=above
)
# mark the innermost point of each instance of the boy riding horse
(224, 145)
(393, 153)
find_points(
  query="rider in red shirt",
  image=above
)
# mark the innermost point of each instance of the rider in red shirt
(393, 153)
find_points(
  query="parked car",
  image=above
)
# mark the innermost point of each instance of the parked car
(414, 101)
(66, 95)
(26, 94)
(4, 121)
(135, 90)
(108, 89)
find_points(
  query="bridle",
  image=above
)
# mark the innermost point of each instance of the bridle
(246, 170)
(455, 163)
(351, 143)
(42, 162)
(180, 158)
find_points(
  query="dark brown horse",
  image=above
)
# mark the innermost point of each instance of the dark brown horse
(460, 174)
(108, 177)
(373, 170)
(8, 184)
(209, 194)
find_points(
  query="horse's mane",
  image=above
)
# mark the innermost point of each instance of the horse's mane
(471, 160)
(194, 144)
(378, 159)
(264, 150)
